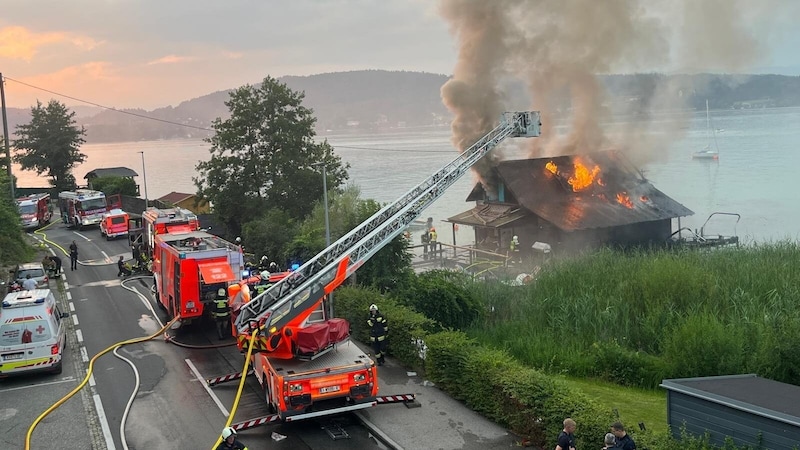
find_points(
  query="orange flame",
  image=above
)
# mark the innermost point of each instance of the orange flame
(583, 177)
(624, 200)
(552, 167)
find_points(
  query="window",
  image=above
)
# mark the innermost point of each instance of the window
(32, 331)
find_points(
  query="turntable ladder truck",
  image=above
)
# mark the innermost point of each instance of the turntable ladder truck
(337, 376)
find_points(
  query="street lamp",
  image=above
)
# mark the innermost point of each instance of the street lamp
(144, 175)
(327, 223)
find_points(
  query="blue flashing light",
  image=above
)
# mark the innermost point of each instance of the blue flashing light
(6, 304)
(295, 266)
(245, 273)
(39, 300)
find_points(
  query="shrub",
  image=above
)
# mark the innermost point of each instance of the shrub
(704, 346)
(443, 296)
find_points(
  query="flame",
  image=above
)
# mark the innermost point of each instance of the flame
(552, 167)
(583, 177)
(624, 200)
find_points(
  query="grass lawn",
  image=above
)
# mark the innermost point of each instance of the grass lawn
(634, 405)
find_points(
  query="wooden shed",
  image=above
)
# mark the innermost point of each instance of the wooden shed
(751, 410)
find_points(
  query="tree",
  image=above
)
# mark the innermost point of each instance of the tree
(116, 185)
(13, 247)
(50, 144)
(262, 156)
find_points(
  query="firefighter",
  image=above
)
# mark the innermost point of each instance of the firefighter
(123, 270)
(432, 239)
(377, 333)
(514, 247)
(57, 264)
(222, 314)
(229, 441)
(264, 263)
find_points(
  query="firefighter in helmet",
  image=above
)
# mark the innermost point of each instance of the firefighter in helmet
(229, 441)
(222, 314)
(377, 333)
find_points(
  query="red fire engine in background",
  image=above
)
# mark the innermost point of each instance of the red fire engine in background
(34, 210)
(82, 207)
(189, 269)
(162, 221)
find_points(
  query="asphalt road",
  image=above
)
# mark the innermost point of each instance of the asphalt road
(171, 405)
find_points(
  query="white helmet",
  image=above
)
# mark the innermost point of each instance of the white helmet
(264, 258)
(264, 275)
(228, 432)
(222, 292)
(373, 307)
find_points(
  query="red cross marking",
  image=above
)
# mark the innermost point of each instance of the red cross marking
(40, 329)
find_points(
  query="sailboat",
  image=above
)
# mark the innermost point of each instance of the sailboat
(708, 152)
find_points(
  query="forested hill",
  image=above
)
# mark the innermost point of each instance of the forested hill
(376, 99)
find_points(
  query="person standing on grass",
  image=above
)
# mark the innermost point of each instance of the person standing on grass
(73, 256)
(566, 439)
(624, 441)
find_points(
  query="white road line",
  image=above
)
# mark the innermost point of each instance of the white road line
(101, 415)
(69, 296)
(65, 380)
(71, 307)
(82, 236)
(91, 381)
(84, 355)
(66, 286)
(79, 335)
(75, 320)
(205, 386)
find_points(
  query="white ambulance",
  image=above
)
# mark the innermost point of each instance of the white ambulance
(32, 333)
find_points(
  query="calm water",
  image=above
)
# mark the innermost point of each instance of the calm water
(757, 176)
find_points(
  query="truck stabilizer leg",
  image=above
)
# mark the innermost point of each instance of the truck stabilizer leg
(410, 400)
(252, 423)
(225, 378)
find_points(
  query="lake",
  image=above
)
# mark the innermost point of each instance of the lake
(757, 175)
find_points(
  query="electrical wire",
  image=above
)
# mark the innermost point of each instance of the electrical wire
(122, 111)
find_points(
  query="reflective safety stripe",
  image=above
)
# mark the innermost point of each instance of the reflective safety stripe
(7, 366)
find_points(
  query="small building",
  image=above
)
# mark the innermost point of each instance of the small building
(750, 410)
(570, 203)
(122, 172)
(186, 201)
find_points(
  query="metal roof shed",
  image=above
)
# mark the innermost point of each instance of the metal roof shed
(751, 410)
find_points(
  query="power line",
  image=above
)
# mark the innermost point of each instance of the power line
(108, 107)
(394, 150)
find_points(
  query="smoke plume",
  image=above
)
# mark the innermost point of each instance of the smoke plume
(558, 48)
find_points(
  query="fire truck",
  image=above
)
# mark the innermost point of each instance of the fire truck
(189, 269)
(303, 360)
(34, 210)
(114, 224)
(161, 221)
(82, 207)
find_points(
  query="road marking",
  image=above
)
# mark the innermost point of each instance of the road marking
(101, 415)
(82, 236)
(106, 256)
(71, 307)
(66, 285)
(69, 295)
(84, 355)
(208, 389)
(75, 320)
(79, 335)
(65, 380)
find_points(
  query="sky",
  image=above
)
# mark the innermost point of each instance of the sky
(155, 53)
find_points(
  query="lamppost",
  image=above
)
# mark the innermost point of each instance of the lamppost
(144, 175)
(327, 222)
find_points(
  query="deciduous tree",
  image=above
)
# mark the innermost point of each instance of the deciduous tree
(50, 144)
(262, 156)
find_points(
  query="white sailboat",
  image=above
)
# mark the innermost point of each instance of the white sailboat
(708, 152)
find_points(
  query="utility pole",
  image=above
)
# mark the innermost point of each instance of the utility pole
(5, 133)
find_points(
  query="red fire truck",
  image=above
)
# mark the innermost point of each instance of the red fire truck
(82, 207)
(189, 269)
(161, 221)
(34, 210)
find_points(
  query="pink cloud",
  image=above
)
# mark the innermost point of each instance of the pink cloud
(20, 43)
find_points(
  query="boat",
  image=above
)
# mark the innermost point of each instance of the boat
(708, 152)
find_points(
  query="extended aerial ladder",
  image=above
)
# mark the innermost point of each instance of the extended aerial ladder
(306, 287)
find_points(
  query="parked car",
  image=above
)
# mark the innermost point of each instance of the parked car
(35, 270)
(32, 333)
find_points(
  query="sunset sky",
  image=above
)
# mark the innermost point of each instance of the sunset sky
(154, 53)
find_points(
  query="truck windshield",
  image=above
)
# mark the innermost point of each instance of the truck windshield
(95, 203)
(27, 209)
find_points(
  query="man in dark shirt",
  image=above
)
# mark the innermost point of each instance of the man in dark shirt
(624, 441)
(566, 439)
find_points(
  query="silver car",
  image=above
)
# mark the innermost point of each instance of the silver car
(36, 271)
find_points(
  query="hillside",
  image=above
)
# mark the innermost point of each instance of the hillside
(376, 99)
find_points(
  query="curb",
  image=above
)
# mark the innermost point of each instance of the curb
(379, 434)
